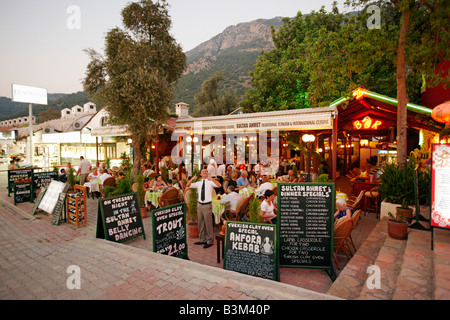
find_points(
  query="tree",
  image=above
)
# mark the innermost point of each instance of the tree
(322, 56)
(134, 78)
(318, 58)
(211, 101)
(422, 42)
(49, 114)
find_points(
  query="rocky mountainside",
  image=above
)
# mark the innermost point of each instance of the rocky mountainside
(234, 52)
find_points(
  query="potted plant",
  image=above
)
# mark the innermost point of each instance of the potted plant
(405, 210)
(396, 188)
(254, 210)
(397, 226)
(141, 194)
(192, 224)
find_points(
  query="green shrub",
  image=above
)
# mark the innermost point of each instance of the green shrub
(397, 186)
(193, 200)
(254, 210)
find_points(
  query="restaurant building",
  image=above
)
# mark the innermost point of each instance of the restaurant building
(352, 131)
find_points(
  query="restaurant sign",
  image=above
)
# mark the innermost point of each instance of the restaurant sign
(256, 124)
(440, 186)
(367, 124)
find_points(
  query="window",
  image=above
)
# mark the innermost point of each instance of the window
(104, 121)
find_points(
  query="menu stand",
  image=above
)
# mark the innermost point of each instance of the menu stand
(76, 206)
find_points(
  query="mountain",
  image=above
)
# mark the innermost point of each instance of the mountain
(234, 52)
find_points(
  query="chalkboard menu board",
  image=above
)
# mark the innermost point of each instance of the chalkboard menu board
(169, 231)
(38, 200)
(59, 208)
(119, 218)
(250, 248)
(43, 179)
(19, 176)
(305, 224)
(23, 192)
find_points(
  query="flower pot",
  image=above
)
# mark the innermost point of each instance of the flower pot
(407, 213)
(192, 228)
(397, 230)
(144, 212)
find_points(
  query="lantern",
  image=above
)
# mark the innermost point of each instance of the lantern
(441, 113)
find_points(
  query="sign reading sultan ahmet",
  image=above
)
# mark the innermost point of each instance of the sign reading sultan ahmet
(313, 119)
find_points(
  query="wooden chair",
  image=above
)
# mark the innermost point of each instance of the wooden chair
(341, 232)
(274, 190)
(355, 220)
(266, 220)
(233, 215)
(243, 210)
(186, 195)
(355, 203)
(169, 197)
(110, 182)
(372, 195)
(225, 185)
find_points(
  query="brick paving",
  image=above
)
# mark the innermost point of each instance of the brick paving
(35, 257)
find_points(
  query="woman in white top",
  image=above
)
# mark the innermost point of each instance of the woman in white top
(93, 175)
(268, 207)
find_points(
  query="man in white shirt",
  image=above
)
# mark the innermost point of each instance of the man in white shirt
(204, 208)
(212, 167)
(104, 175)
(257, 168)
(265, 185)
(221, 171)
(232, 198)
(83, 170)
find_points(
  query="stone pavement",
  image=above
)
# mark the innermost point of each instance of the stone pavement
(36, 258)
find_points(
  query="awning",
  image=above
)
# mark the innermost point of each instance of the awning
(297, 119)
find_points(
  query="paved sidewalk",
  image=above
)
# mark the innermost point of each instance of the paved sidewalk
(36, 255)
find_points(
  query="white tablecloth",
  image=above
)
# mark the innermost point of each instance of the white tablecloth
(94, 186)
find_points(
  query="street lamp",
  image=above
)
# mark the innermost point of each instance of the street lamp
(308, 139)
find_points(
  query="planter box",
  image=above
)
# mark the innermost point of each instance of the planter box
(387, 207)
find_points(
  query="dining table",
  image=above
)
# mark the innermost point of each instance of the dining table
(246, 191)
(94, 185)
(217, 209)
(152, 197)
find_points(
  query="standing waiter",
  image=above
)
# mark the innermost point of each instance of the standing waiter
(204, 208)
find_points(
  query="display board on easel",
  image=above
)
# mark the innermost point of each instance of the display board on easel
(250, 248)
(51, 196)
(38, 200)
(440, 188)
(306, 225)
(169, 231)
(19, 176)
(119, 218)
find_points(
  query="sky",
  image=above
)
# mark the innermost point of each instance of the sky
(42, 41)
